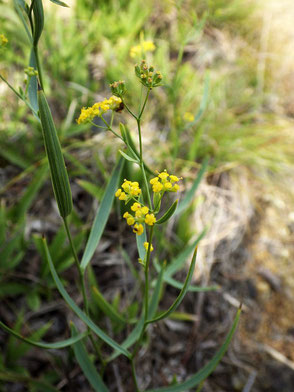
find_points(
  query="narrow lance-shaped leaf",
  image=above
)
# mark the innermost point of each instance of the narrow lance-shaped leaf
(184, 204)
(128, 158)
(99, 332)
(207, 369)
(102, 215)
(38, 20)
(168, 213)
(56, 345)
(182, 292)
(58, 171)
(87, 365)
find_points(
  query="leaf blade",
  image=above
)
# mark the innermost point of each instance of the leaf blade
(102, 215)
(87, 365)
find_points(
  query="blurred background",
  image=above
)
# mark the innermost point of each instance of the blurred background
(228, 97)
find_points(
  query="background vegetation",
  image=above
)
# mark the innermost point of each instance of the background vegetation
(227, 97)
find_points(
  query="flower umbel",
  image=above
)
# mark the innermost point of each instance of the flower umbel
(165, 182)
(98, 109)
(147, 75)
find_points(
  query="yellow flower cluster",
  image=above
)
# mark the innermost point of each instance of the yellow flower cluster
(141, 216)
(165, 182)
(99, 108)
(143, 47)
(3, 40)
(130, 190)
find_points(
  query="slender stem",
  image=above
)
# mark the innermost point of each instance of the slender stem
(98, 126)
(144, 104)
(39, 68)
(146, 295)
(128, 109)
(110, 129)
(140, 139)
(146, 291)
(146, 185)
(134, 375)
(19, 96)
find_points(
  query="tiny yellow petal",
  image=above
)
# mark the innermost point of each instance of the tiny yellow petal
(123, 196)
(150, 219)
(130, 220)
(118, 193)
(136, 206)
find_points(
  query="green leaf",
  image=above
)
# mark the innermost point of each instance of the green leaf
(33, 84)
(56, 345)
(13, 377)
(140, 239)
(106, 307)
(102, 215)
(99, 332)
(168, 213)
(189, 196)
(61, 3)
(207, 369)
(87, 365)
(19, 7)
(128, 158)
(182, 292)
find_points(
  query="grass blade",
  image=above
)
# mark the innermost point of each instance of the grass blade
(107, 339)
(102, 215)
(182, 292)
(87, 365)
(57, 345)
(189, 196)
(207, 369)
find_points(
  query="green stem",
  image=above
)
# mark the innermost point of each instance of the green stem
(134, 375)
(146, 295)
(144, 104)
(128, 109)
(39, 68)
(110, 129)
(19, 96)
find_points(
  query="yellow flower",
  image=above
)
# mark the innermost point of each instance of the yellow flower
(146, 245)
(157, 187)
(189, 117)
(126, 215)
(175, 188)
(150, 219)
(118, 193)
(139, 214)
(126, 186)
(154, 180)
(138, 229)
(130, 220)
(123, 196)
(167, 186)
(174, 178)
(3, 40)
(143, 47)
(135, 191)
(145, 210)
(163, 175)
(136, 206)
